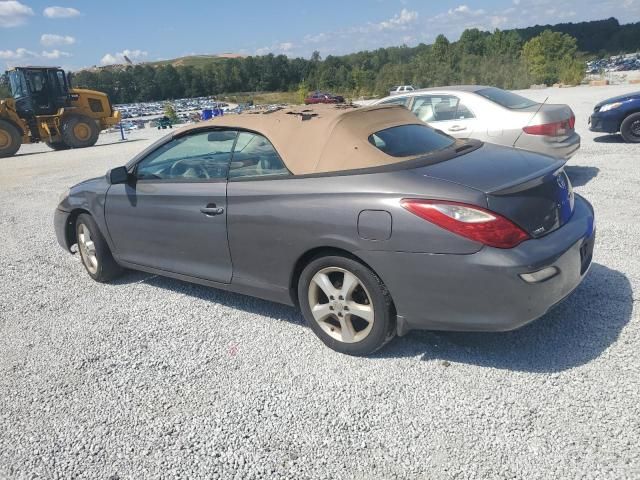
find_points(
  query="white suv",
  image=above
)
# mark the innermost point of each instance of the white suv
(401, 89)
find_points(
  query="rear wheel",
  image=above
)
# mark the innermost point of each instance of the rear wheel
(630, 128)
(79, 131)
(10, 139)
(58, 145)
(94, 251)
(346, 305)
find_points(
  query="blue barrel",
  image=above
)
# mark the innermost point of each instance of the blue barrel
(207, 114)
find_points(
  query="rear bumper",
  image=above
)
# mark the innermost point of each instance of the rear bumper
(564, 149)
(604, 123)
(484, 291)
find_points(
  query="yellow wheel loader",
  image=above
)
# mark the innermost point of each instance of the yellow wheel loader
(44, 108)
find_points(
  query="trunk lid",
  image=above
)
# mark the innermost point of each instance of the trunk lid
(530, 189)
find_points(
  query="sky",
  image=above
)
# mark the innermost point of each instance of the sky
(81, 33)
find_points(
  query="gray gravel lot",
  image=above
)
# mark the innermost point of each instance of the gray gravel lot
(154, 378)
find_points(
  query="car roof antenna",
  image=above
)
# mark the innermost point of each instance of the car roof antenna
(529, 121)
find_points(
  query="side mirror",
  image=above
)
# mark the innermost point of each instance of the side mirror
(118, 175)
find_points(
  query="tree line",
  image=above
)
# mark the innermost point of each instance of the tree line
(507, 59)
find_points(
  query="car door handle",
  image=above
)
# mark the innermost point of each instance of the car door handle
(457, 128)
(211, 210)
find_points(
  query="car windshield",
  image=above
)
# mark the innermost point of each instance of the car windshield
(506, 99)
(410, 140)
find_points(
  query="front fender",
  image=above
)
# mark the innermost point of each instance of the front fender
(86, 197)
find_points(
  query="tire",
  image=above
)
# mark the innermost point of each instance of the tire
(335, 322)
(10, 139)
(630, 128)
(94, 251)
(79, 131)
(57, 145)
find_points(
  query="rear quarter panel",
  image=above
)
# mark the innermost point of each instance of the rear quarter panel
(272, 223)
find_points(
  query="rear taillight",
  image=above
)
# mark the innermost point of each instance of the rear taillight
(554, 129)
(469, 221)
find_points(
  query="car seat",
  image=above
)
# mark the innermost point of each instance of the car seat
(425, 113)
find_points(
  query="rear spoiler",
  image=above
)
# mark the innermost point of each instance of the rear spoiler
(529, 181)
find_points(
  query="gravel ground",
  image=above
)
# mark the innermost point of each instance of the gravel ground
(154, 378)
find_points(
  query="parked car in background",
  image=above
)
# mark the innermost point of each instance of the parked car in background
(618, 114)
(398, 89)
(321, 97)
(164, 123)
(369, 220)
(494, 115)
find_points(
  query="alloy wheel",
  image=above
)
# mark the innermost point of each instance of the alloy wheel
(87, 249)
(341, 304)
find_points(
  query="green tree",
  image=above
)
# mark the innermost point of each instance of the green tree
(302, 92)
(170, 112)
(548, 54)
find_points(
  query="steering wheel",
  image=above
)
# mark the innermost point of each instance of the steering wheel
(181, 167)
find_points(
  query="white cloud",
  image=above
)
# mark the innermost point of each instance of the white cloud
(13, 13)
(17, 54)
(399, 21)
(52, 40)
(29, 55)
(60, 12)
(118, 57)
(54, 54)
(320, 37)
(464, 11)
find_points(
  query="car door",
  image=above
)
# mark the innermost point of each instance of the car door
(445, 112)
(173, 214)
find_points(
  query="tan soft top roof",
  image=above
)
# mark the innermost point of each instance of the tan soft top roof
(322, 138)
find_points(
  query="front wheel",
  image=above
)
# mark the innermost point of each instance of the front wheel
(630, 128)
(346, 305)
(94, 251)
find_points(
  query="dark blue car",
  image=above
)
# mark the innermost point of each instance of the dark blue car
(618, 114)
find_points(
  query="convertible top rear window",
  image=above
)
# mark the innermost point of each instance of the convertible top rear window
(410, 140)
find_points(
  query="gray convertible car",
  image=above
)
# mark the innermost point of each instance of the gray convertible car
(369, 220)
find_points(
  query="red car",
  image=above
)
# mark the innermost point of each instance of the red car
(320, 97)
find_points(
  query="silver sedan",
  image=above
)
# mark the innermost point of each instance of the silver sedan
(494, 115)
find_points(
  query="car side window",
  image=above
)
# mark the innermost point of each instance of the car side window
(202, 156)
(439, 108)
(463, 112)
(254, 156)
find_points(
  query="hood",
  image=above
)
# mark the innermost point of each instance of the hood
(620, 98)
